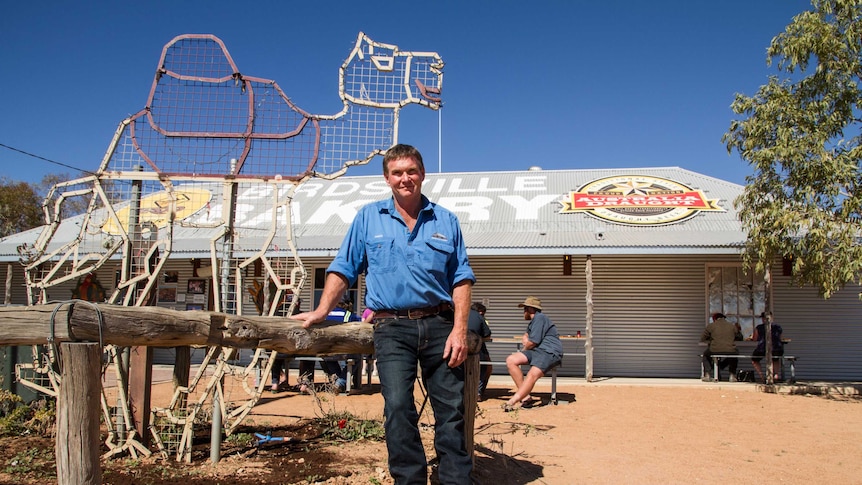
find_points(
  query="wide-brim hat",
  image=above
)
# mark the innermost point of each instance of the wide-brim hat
(531, 301)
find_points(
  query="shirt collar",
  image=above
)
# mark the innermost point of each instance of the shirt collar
(389, 206)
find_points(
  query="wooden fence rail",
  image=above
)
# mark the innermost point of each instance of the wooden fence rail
(162, 327)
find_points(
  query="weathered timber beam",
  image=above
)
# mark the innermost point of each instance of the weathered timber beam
(163, 327)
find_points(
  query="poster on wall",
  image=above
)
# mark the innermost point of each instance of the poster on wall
(197, 287)
(167, 295)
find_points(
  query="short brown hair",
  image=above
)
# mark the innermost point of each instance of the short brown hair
(399, 151)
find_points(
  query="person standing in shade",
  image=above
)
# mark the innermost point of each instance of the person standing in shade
(540, 347)
(760, 349)
(335, 366)
(479, 325)
(419, 285)
(368, 370)
(280, 365)
(720, 337)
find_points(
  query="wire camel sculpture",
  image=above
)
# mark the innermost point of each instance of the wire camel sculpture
(209, 132)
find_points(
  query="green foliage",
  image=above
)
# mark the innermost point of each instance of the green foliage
(33, 462)
(242, 439)
(17, 419)
(801, 135)
(8, 402)
(344, 426)
(20, 207)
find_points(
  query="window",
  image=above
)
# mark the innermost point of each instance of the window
(738, 295)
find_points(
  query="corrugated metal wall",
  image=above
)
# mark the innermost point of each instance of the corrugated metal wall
(18, 288)
(503, 282)
(826, 334)
(649, 312)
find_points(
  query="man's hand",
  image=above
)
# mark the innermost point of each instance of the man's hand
(309, 318)
(456, 348)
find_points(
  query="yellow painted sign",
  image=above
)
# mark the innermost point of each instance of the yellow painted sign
(155, 208)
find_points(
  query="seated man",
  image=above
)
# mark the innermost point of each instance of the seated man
(540, 347)
(760, 350)
(720, 337)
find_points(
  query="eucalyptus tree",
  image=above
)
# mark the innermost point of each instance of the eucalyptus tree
(801, 134)
(20, 207)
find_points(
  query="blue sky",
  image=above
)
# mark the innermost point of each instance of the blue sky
(557, 84)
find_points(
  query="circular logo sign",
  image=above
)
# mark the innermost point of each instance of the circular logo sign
(638, 200)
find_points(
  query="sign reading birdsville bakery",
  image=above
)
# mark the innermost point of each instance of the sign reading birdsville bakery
(638, 200)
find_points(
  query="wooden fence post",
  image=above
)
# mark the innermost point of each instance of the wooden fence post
(471, 385)
(78, 410)
(140, 390)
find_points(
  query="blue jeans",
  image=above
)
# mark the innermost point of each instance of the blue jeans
(399, 345)
(337, 369)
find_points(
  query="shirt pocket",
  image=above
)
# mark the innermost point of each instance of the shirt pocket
(436, 256)
(381, 255)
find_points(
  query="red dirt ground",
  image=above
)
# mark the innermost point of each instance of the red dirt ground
(646, 434)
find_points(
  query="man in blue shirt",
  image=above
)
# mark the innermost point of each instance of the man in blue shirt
(540, 347)
(419, 284)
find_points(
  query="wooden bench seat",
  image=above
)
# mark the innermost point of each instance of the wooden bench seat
(715, 357)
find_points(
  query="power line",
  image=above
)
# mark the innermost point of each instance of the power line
(45, 159)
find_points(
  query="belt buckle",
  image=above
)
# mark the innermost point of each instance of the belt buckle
(418, 312)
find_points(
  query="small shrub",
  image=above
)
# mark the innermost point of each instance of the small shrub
(242, 439)
(344, 426)
(32, 462)
(8, 402)
(18, 419)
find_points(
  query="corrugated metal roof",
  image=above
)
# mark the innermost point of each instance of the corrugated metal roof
(515, 212)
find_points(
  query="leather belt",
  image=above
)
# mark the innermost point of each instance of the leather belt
(413, 313)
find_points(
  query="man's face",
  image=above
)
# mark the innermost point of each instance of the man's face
(404, 177)
(528, 315)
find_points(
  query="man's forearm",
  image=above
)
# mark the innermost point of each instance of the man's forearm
(333, 291)
(462, 295)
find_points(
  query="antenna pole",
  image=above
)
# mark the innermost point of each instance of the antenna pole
(440, 140)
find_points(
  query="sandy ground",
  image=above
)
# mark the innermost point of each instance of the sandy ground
(639, 431)
(634, 431)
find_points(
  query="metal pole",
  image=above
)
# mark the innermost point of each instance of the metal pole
(133, 230)
(588, 345)
(215, 439)
(226, 302)
(440, 140)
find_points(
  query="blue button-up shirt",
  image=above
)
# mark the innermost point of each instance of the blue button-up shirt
(404, 269)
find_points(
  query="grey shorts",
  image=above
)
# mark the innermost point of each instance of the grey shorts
(541, 359)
